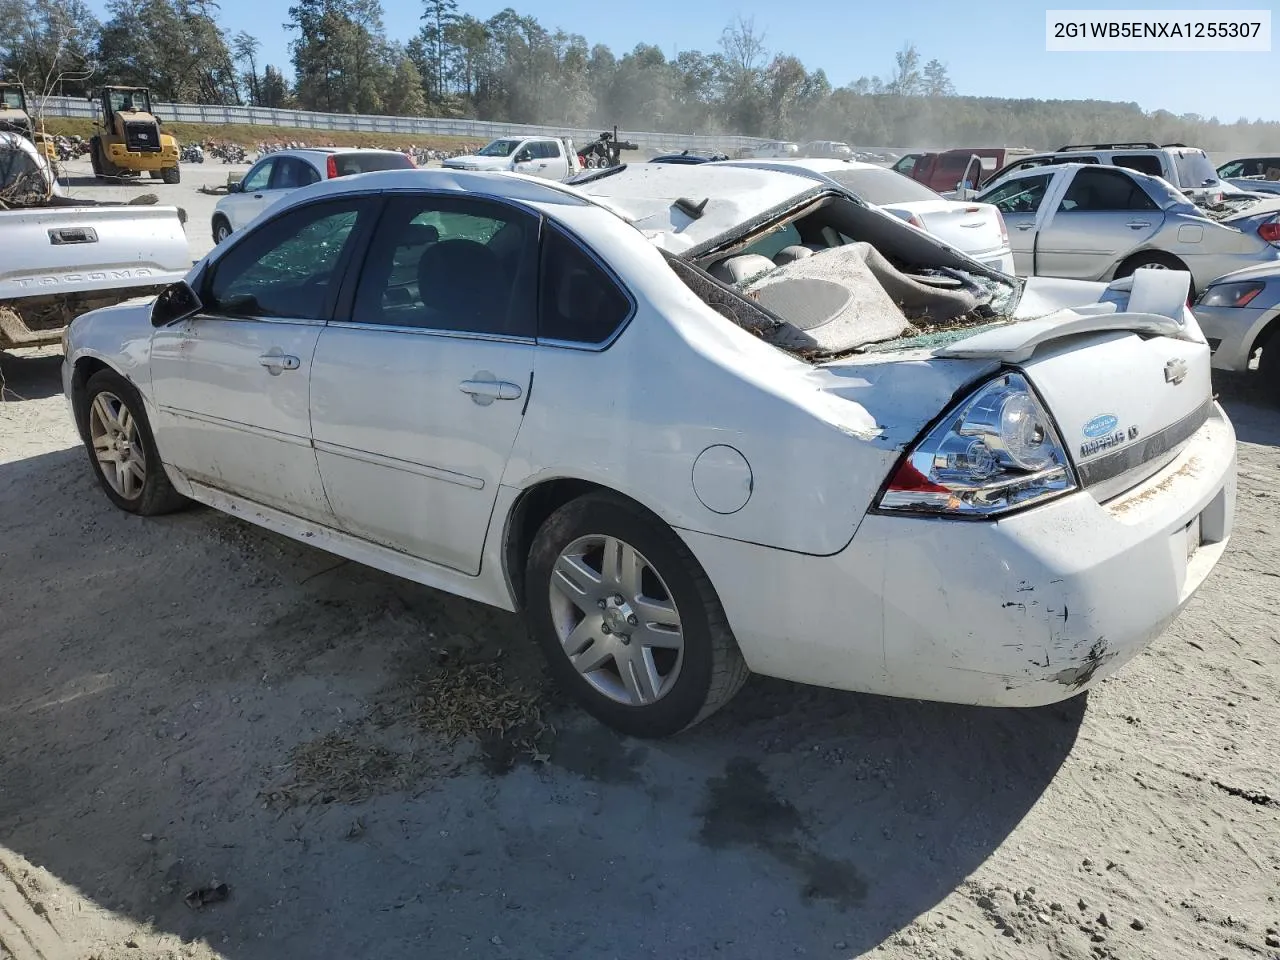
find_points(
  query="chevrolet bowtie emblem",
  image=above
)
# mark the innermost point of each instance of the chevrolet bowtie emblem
(1175, 371)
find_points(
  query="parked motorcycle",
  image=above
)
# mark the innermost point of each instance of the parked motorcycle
(192, 153)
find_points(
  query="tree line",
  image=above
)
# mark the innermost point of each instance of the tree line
(510, 67)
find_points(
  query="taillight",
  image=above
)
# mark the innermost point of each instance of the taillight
(331, 167)
(1004, 230)
(915, 221)
(1270, 231)
(995, 451)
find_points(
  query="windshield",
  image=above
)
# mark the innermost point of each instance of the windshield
(499, 148)
(879, 186)
(1194, 170)
(12, 100)
(130, 101)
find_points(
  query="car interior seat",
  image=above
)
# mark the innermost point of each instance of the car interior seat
(461, 284)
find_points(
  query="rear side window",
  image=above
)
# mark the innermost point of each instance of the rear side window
(1142, 162)
(1096, 191)
(349, 164)
(578, 301)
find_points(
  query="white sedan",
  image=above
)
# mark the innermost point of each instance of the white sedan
(974, 228)
(879, 468)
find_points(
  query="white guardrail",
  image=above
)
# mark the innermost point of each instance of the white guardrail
(482, 130)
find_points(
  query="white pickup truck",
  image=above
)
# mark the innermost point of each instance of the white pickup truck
(553, 158)
(61, 257)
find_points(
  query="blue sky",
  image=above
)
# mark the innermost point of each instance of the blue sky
(997, 50)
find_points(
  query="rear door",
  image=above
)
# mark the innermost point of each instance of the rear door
(1021, 202)
(420, 383)
(231, 384)
(1103, 216)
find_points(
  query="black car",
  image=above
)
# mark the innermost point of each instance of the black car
(690, 156)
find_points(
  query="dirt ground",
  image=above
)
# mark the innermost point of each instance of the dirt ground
(189, 701)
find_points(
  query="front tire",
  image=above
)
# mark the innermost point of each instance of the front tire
(628, 620)
(171, 175)
(1269, 367)
(122, 449)
(221, 229)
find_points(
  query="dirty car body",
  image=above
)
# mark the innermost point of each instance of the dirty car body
(886, 467)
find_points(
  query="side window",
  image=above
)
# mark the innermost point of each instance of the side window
(288, 174)
(451, 263)
(1235, 169)
(545, 150)
(1023, 195)
(283, 268)
(906, 164)
(1142, 162)
(578, 301)
(259, 176)
(1097, 191)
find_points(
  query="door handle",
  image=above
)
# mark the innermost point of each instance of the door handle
(275, 362)
(484, 392)
(1025, 226)
(1138, 224)
(257, 196)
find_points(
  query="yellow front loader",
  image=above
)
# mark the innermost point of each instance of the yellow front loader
(127, 139)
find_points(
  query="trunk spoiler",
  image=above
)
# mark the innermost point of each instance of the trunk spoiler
(1157, 305)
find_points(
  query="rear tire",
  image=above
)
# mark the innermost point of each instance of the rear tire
(1153, 260)
(96, 159)
(658, 662)
(122, 450)
(171, 175)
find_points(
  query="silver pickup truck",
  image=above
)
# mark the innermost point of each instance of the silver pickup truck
(61, 257)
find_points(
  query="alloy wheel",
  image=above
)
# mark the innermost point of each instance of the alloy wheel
(117, 445)
(616, 620)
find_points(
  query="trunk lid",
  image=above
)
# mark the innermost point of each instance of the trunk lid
(1128, 383)
(971, 227)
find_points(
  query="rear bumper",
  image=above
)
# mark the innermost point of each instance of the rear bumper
(1022, 612)
(1236, 329)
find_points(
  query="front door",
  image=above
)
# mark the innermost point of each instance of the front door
(418, 394)
(231, 383)
(1104, 215)
(1019, 202)
(251, 197)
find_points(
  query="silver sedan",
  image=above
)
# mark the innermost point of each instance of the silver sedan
(1239, 314)
(1093, 222)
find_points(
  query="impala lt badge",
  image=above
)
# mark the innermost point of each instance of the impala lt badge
(1175, 371)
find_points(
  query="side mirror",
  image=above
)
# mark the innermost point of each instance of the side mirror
(176, 302)
(524, 156)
